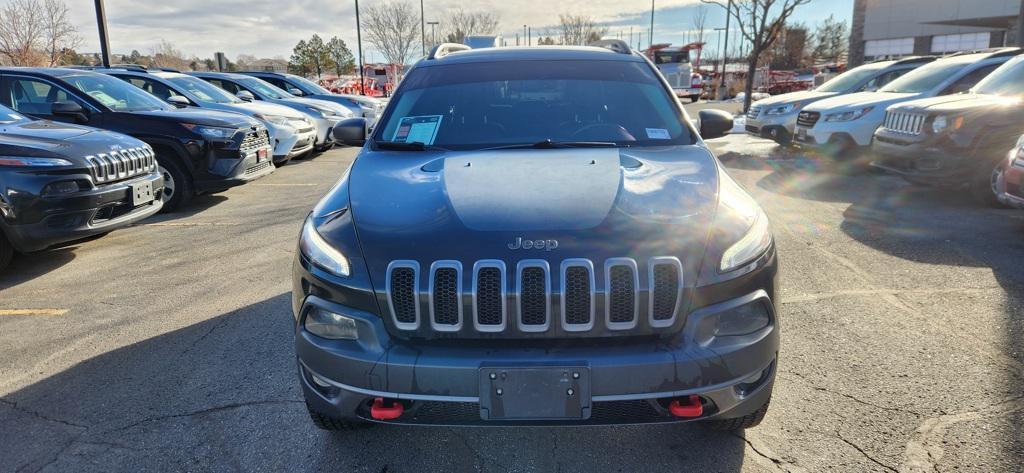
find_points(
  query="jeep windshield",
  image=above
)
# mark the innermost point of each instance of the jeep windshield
(203, 90)
(502, 104)
(926, 77)
(116, 94)
(1008, 80)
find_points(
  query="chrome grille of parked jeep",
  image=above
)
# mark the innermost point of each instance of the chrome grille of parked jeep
(120, 165)
(807, 119)
(521, 298)
(903, 122)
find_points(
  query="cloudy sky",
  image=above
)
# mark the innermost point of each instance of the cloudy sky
(268, 28)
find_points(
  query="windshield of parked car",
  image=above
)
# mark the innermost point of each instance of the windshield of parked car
(203, 90)
(8, 116)
(1007, 80)
(116, 94)
(848, 80)
(264, 88)
(482, 105)
(926, 77)
(308, 86)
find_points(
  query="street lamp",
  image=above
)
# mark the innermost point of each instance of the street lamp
(433, 34)
(359, 43)
(101, 23)
(423, 32)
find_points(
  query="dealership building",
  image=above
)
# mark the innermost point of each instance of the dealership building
(895, 28)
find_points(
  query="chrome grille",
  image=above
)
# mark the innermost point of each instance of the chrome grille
(576, 299)
(904, 122)
(119, 165)
(754, 111)
(253, 141)
(807, 119)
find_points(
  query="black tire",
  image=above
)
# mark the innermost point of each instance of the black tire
(282, 162)
(327, 422)
(178, 189)
(739, 423)
(983, 186)
(694, 98)
(6, 251)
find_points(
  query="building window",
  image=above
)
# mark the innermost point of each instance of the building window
(949, 43)
(888, 47)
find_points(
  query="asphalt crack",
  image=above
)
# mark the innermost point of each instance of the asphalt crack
(208, 410)
(924, 451)
(779, 463)
(40, 415)
(864, 452)
(810, 384)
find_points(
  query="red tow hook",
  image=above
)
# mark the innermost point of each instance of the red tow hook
(386, 410)
(692, 408)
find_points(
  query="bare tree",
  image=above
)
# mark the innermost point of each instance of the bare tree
(699, 21)
(35, 32)
(461, 23)
(760, 23)
(579, 29)
(831, 39)
(166, 55)
(393, 28)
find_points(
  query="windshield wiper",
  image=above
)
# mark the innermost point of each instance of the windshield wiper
(549, 144)
(403, 146)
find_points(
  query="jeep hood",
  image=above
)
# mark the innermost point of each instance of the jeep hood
(951, 104)
(54, 139)
(859, 100)
(806, 96)
(597, 203)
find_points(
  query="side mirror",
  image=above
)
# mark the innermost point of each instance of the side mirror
(70, 110)
(245, 95)
(351, 131)
(178, 101)
(714, 123)
(296, 92)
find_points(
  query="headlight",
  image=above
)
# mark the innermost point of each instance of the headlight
(275, 119)
(848, 115)
(32, 162)
(753, 244)
(322, 253)
(213, 132)
(942, 122)
(780, 110)
(329, 113)
(327, 324)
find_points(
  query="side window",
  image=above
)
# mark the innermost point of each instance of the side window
(231, 87)
(161, 91)
(35, 97)
(964, 83)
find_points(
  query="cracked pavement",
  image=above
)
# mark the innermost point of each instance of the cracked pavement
(903, 344)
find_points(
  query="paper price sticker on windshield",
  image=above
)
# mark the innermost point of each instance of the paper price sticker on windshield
(422, 129)
(658, 134)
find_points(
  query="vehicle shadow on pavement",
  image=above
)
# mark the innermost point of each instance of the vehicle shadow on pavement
(223, 394)
(25, 268)
(198, 205)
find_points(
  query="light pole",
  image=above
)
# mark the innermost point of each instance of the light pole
(423, 32)
(719, 30)
(101, 23)
(652, 24)
(524, 34)
(359, 45)
(725, 54)
(433, 34)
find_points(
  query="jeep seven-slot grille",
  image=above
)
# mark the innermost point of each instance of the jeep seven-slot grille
(121, 165)
(621, 295)
(530, 297)
(807, 119)
(903, 122)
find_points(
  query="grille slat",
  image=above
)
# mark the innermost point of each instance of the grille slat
(665, 290)
(403, 288)
(489, 296)
(446, 296)
(577, 295)
(120, 165)
(534, 296)
(621, 302)
(904, 122)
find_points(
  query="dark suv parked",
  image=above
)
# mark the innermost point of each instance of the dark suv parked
(956, 140)
(197, 150)
(536, 236)
(60, 183)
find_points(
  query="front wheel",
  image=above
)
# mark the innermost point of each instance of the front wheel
(984, 187)
(748, 421)
(177, 185)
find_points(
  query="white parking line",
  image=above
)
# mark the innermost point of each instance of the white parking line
(33, 312)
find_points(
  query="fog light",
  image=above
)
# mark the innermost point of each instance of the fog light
(742, 320)
(327, 324)
(63, 187)
(320, 381)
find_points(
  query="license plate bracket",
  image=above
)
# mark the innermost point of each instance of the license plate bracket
(535, 393)
(261, 155)
(141, 193)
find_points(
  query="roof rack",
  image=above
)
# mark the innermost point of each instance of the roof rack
(915, 59)
(993, 52)
(615, 45)
(445, 49)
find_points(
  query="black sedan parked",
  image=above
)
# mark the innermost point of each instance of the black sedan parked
(61, 183)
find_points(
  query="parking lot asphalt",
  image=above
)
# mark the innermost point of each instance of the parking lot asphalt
(168, 345)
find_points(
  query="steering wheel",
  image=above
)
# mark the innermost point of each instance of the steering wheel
(602, 132)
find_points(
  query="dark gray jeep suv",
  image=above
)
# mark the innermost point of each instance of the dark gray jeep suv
(535, 236)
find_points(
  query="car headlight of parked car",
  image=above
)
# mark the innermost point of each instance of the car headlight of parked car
(942, 123)
(33, 162)
(783, 109)
(211, 132)
(848, 115)
(275, 119)
(321, 253)
(331, 114)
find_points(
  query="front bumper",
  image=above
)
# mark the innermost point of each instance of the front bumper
(233, 168)
(922, 158)
(289, 142)
(834, 136)
(1011, 189)
(778, 128)
(733, 375)
(688, 92)
(79, 215)
(324, 132)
